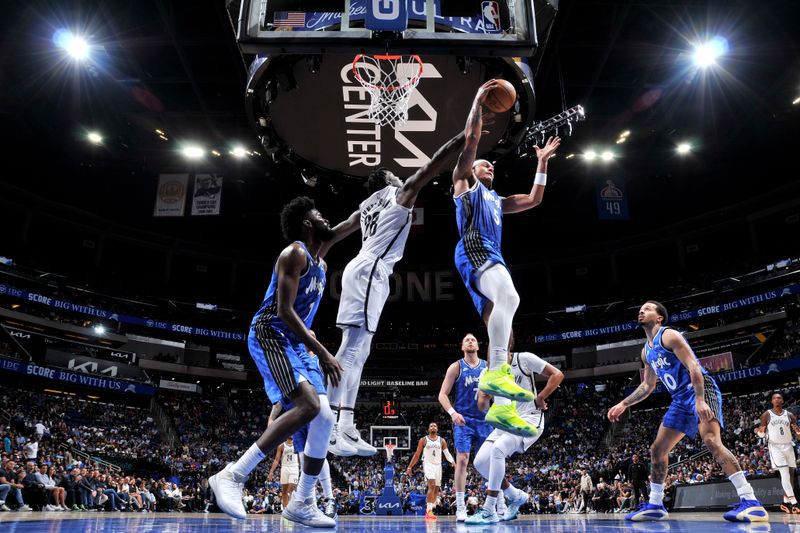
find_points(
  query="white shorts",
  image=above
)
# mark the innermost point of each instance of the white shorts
(289, 476)
(521, 444)
(365, 288)
(433, 472)
(782, 455)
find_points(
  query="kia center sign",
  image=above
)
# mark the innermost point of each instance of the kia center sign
(319, 116)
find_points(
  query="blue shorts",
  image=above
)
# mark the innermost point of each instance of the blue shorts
(472, 433)
(682, 415)
(299, 438)
(283, 364)
(467, 265)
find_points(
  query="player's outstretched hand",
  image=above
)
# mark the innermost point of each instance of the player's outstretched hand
(615, 412)
(458, 420)
(330, 368)
(484, 91)
(541, 403)
(550, 147)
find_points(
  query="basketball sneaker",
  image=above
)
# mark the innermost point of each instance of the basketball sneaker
(512, 512)
(330, 508)
(429, 515)
(461, 515)
(505, 417)
(501, 383)
(307, 513)
(227, 488)
(352, 437)
(482, 517)
(339, 446)
(785, 507)
(647, 512)
(747, 511)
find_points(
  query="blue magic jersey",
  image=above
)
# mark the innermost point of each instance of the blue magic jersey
(670, 370)
(479, 217)
(467, 389)
(309, 293)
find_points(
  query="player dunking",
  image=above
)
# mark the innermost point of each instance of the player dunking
(279, 335)
(385, 219)
(286, 456)
(490, 460)
(469, 428)
(778, 424)
(696, 405)
(478, 258)
(431, 447)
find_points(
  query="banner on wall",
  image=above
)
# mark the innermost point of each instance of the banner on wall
(171, 195)
(207, 195)
(612, 201)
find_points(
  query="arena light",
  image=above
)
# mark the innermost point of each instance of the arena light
(216, 153)
(193, 152)
(796, 101)
(94, 137)
(590, 155)
(75, 45)
(684, 148)
(238, 152)
(706, 54)
(99, 329)
(607, 155)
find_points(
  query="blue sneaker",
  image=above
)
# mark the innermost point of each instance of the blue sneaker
(482, 517)
(647, 512)
(747, 511)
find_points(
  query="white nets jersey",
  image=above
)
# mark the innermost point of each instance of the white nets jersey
(384, 226)
(779, 430)
(523, 366)
(432, 453)
(289, 458)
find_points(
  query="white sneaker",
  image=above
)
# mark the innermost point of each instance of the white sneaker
(24, 509)
(514, 504)
(352, 436)
(3, 507)
(49, 507)
(330, 508)
(227, 488)
(306, 512)
(339, 445)
(461, 515)
(63, 508)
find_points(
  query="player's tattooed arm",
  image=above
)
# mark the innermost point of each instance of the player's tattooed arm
(644, 390)
(462, 174)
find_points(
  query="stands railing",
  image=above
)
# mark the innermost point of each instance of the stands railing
(88, 457)
(163, 422)
(694, 457)
(5, 417)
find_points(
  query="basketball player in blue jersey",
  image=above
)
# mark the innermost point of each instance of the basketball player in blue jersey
(479, 216)
(279, 335)
(696, 406)
(469, 428)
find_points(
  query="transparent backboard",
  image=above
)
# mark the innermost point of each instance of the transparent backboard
(379, 436)
(501, 28)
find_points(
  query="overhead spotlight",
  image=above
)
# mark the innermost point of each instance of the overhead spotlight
(74, 45)
(684, 148)
(570, 156)
(624, 134)
(94, 137)
(216, 153)
(163, 137)
(159, 132)
(590, 155)
(707, 54)
(238, 152)
(796, 101)
(621, 140)
(607, 155)
(99, 329)
(193, 152)
(309, 178)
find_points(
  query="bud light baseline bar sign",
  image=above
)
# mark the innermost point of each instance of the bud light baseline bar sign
(74, 378)
(64, 305)
(733, 305)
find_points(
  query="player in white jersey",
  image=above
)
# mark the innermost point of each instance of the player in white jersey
(490, 460)
(385, 218)
(290, 469)
(778, 424)
(431, 447)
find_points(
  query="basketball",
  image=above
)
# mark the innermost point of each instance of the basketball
(502, 97)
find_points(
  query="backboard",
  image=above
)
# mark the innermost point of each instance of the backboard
(400, 436)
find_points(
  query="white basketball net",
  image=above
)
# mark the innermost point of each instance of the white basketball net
(390, 80)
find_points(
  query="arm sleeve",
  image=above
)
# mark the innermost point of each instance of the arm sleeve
(531, 363)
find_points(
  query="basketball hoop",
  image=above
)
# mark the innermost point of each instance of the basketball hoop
(390, 451)
(390, 80)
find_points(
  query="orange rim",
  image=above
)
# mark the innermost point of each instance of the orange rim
(387, 57)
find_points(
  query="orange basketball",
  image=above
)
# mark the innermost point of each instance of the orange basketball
(502, 97)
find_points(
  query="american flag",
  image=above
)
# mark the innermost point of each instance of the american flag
(289, 18)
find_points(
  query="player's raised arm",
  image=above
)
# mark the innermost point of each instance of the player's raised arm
(462, 174)
(415, 459)
(522, 202)
(444, 394)
(341, 230)
(408, 193)
(645, 388)
(291, 264)
(674, 341)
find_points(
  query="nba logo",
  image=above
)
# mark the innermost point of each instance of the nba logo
(490, 12)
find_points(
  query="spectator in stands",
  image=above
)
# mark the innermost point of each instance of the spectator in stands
(10, 478)
(31, 449)
(638, 475)
(56, 494)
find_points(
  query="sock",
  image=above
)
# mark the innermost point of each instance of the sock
(511, 492)
(501, 504)
(490, 504)
(248, 461)
(460, 501)
(743, 488)
(305, 487)
(325, 480)
(498, 357)
(345, 417)
(786, 481)
(429, 507)
(657, 493)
